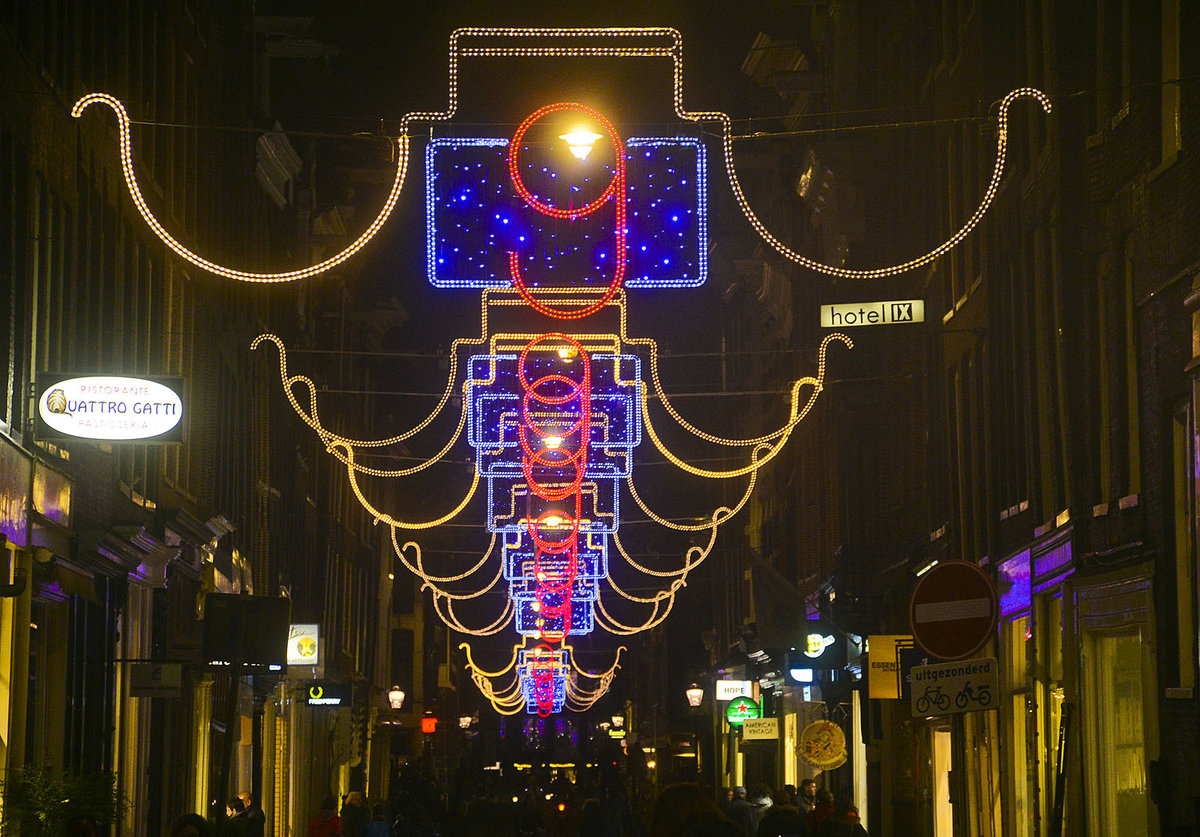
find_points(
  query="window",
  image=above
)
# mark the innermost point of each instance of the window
(1172, 136)
(1014, 640)
(1112, 62)
(1118, 792)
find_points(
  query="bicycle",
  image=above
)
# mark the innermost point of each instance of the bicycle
(933, 696)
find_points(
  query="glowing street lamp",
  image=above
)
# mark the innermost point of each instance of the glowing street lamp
(694, 695)
(580, 142)
(396, 697)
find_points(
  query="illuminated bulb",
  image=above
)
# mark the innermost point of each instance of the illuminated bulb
(552, 521)
(536, 606)
(566, 352)
(552, 442)
(580, 142)
(391, 576)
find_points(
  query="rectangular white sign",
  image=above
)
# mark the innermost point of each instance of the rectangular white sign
(730, 689)
(155, 680)
(760, 729)
(850, 314)
(304, 645)
(950, 688)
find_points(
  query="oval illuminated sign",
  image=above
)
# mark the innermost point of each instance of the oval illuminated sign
(110, 408)
(741, 709)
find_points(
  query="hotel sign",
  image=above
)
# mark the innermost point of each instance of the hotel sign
(109, 408)
(849, 314)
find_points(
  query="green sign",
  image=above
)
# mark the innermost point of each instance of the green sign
(741, 709)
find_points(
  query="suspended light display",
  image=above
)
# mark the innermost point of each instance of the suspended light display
(563, 225)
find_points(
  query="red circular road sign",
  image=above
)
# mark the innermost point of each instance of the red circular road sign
(953, 610)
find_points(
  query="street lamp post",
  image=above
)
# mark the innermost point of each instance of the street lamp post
(695, 697)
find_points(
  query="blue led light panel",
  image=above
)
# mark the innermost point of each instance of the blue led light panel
(591, 558)
(494, 412)
(511, 504)
(475, 217)
(582, 618)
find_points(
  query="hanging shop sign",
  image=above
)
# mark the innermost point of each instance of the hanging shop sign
(155, 680)
(741, 709)
(109, 408)
(822, 648)
(304, 645)
(952, 688)
(324, 693)
(822, 745)
(883, 656)
(760, 729)
(730, 689)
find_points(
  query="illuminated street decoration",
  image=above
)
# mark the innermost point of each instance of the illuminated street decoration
(672, 50)
(553, 415)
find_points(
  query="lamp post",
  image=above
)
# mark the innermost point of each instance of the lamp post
(695, 696)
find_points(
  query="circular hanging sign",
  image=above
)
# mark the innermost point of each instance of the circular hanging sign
(953, 610)
(741, 709)
(822, 745)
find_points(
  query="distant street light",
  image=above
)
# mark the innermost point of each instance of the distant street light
(464, 721)
(694, 695)
(396, 697)
(618, 721)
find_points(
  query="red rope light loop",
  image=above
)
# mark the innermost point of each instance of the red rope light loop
(614, 192)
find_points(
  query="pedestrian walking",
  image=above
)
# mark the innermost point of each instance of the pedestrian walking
(254, 816)
(354, 815)
(783, 818)
(189, 825)
(742, 812)
(843, 822)
(820, 811)
(326, 823)
(807, 798)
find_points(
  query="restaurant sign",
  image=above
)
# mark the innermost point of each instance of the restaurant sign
(109, 408)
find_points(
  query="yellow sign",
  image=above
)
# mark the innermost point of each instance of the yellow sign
(822, 745)
(883, 656)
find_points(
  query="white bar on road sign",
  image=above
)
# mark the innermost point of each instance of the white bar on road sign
(949, 611)
(850, 314)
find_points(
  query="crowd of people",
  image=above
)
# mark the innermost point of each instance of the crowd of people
(590, 807)
(790, 812)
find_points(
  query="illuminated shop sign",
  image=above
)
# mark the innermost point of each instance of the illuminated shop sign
(742, 709)
(109, 408)
(304, 645)
(327, 694)
(730, 689)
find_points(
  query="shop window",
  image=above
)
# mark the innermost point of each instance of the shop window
(1118, 792)
(1050, 696)
(1014, 641)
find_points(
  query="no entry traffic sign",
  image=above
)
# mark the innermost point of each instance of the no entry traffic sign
(953, 610)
